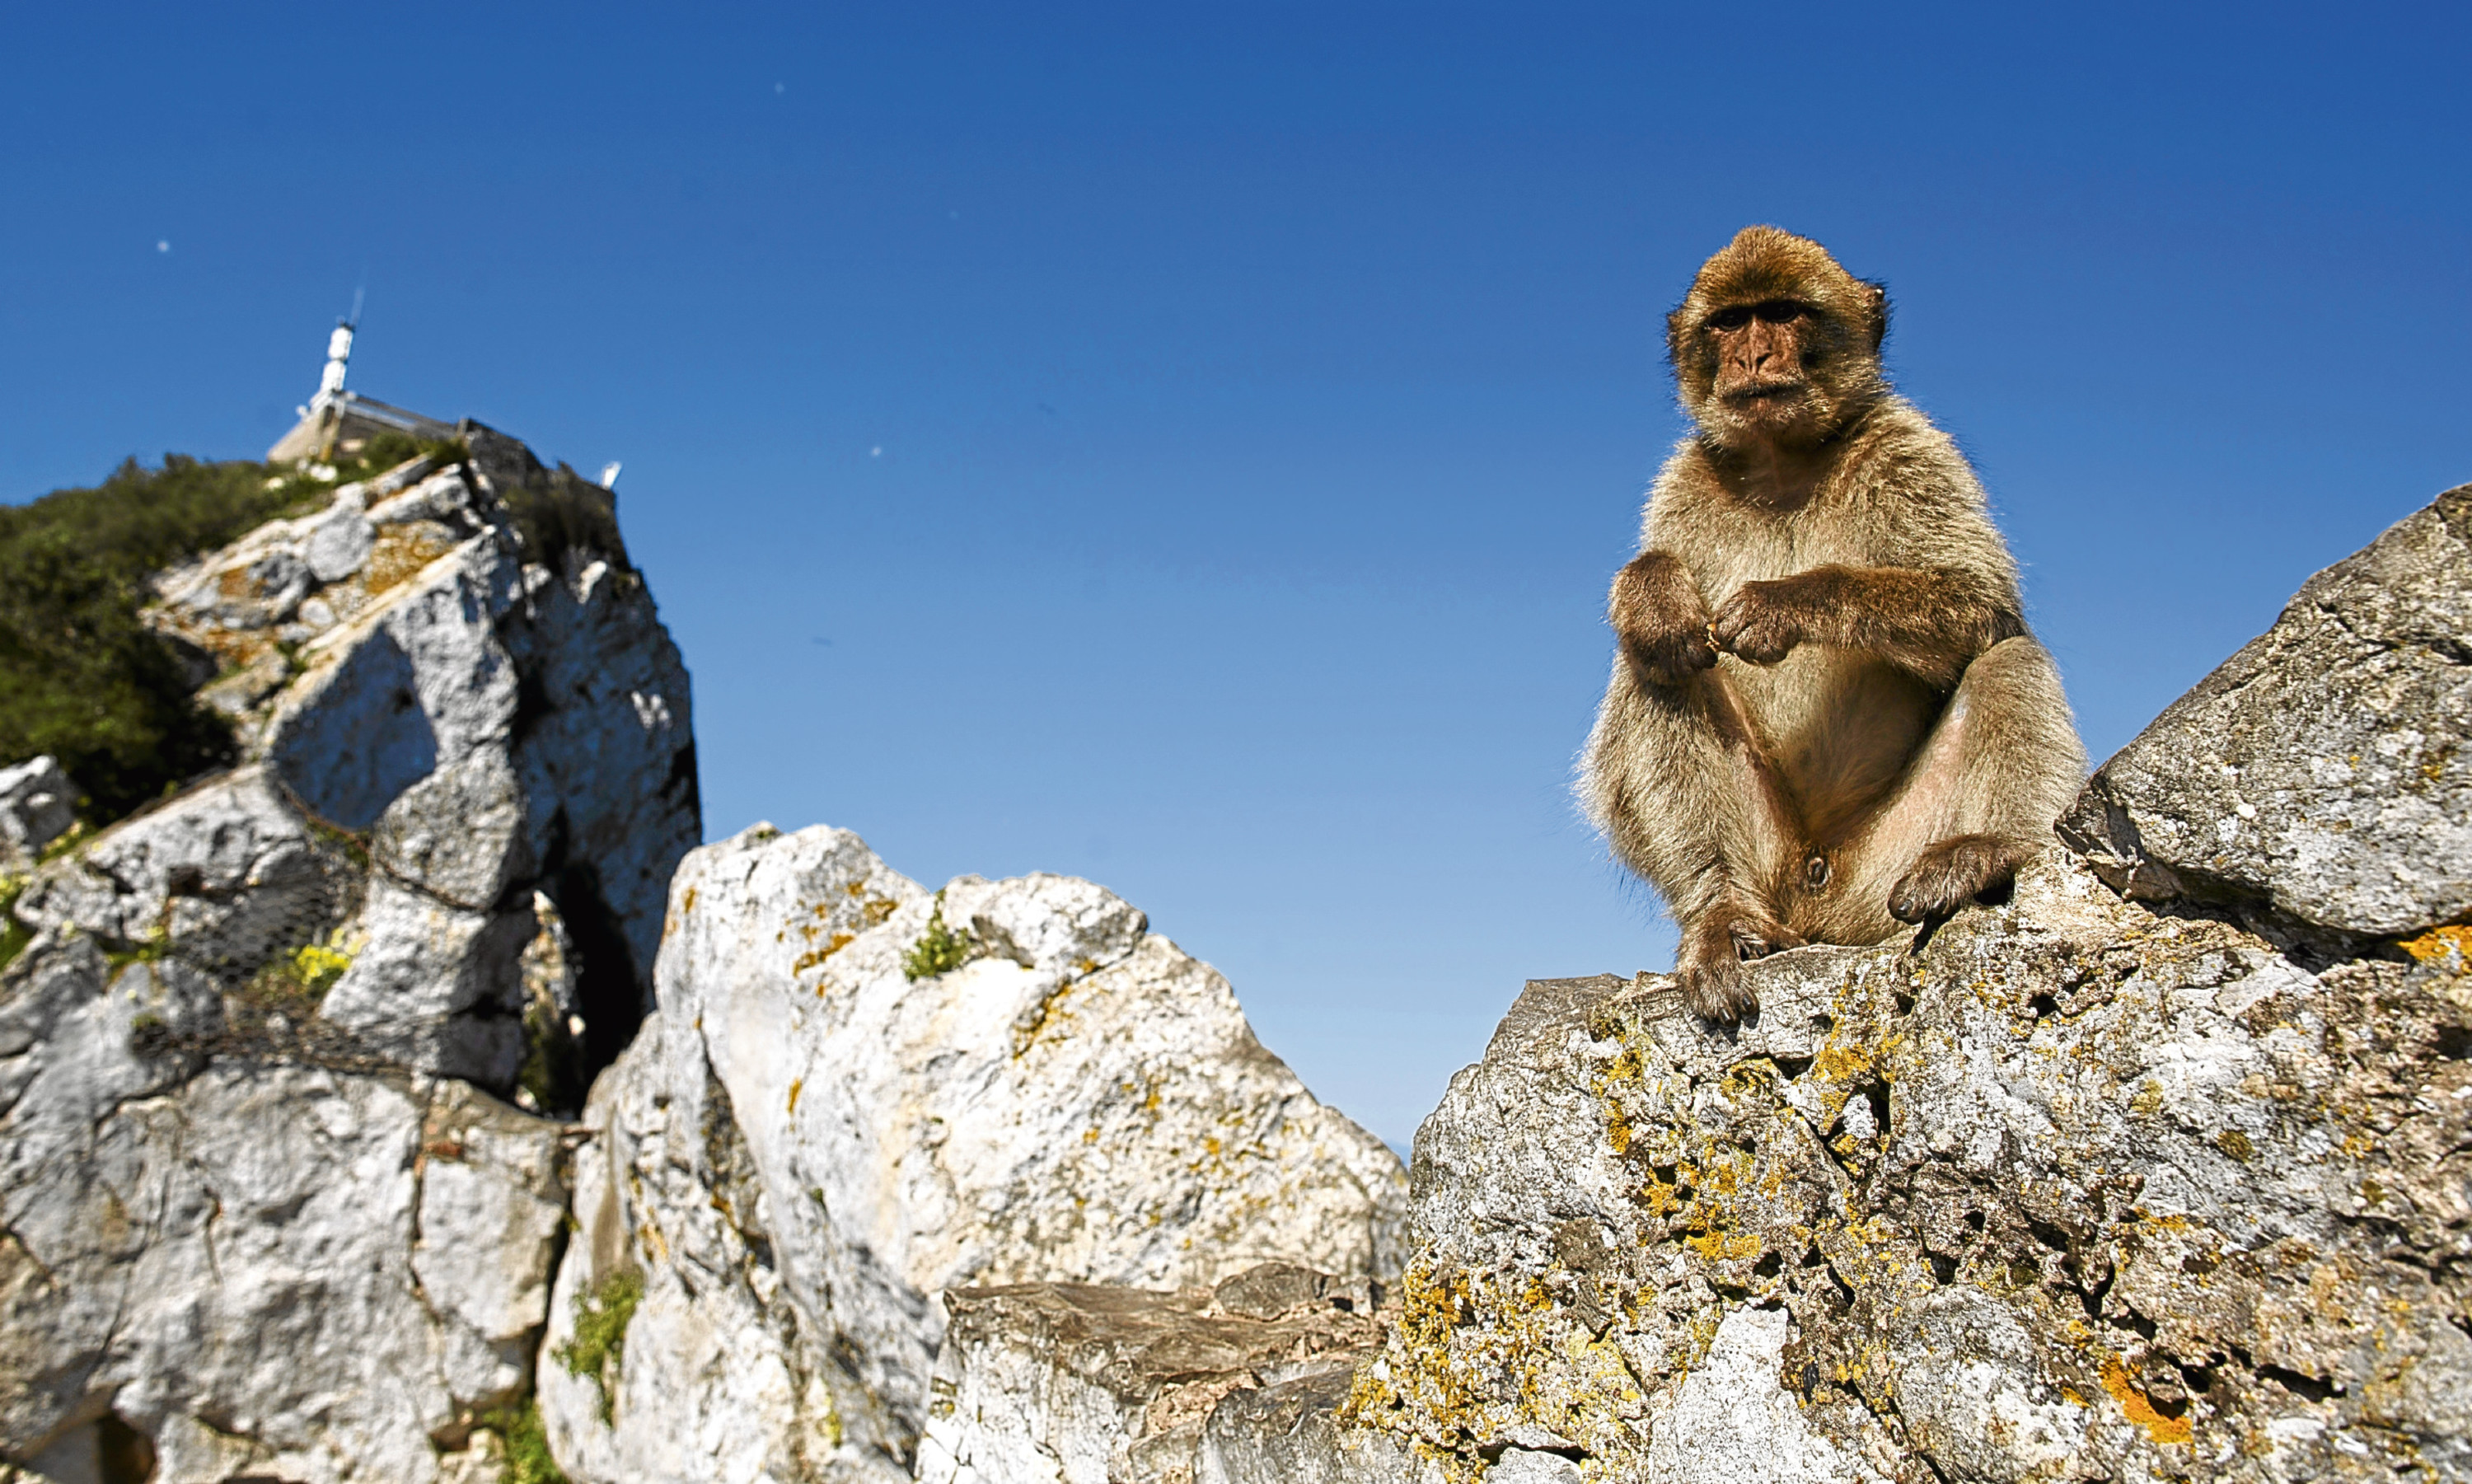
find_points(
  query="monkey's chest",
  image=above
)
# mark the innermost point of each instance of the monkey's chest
(1839, 728)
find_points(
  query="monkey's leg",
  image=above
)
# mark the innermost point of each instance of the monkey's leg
(1687, 800)
(1978, 801)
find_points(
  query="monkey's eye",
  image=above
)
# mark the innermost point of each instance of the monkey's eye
(1731, 318)
(1779, 311)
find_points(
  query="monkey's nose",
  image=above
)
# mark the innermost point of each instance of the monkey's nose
(1815, 872)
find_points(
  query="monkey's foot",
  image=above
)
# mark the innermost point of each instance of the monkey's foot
(1951, 873)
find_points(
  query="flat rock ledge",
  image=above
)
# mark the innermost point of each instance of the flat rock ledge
(1074, 1382)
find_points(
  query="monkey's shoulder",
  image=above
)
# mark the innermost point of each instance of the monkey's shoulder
(1897, 455)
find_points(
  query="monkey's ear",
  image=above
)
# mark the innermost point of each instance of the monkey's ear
(1875, 311)
(1677, 335)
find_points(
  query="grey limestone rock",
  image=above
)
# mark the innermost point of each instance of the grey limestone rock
(2070, 1190)
(263, 1213)
(2322, 770)
(807, 1147)
(37, 804)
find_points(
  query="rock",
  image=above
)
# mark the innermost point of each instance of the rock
(1050, 1383)
(2072, 1190)
(37, 804)
(1287, 1433)
(339, 542)
(806, 1147)
(2320, 770)
(245, 1270)
(262, 1211)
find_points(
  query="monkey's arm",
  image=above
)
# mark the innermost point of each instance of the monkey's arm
(1660, 619)
(1929, 623)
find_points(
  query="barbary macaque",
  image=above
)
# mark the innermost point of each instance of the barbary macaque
(1826, 716)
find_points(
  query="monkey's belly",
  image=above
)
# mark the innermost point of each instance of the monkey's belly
(1839, 730)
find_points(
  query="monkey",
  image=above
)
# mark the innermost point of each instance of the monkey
(1826, 716)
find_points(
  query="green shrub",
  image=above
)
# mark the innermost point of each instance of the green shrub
(79, 677)
(558, 511)
(939, 950)
(523, 1445)
(600, 1339)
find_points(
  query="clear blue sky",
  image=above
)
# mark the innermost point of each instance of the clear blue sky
(1187, 445)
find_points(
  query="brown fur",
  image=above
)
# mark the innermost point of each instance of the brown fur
(1827, 717)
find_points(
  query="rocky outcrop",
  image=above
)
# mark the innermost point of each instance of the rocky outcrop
(858, 1096)
(2161, 1168)
(267, 1208)
(2317, 773)
(2075, 1190)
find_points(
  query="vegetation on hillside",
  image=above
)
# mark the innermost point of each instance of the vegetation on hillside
(80, 677)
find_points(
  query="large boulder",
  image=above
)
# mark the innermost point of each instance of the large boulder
(858, 1095)
(2320, 772)
(270, 1205)
(2073, 1189)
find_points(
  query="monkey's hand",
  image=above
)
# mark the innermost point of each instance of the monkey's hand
(1763, 622)
(1659, 615)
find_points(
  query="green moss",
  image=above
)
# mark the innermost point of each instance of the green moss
(14, 934)
(601, 1318)
(145, 950)
(355, 845)
(939, 950)
(523, 1445)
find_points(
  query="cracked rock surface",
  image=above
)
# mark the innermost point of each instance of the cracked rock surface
(807, 1147)
(268, 1207)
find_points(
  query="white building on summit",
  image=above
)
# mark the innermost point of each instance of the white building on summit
(340, 422)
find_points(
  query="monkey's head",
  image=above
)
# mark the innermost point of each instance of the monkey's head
(1775, 343)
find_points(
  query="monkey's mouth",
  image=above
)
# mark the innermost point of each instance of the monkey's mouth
(1765, 392)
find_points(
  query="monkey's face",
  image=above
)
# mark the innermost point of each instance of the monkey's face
(1773, 372)
(1761, 375)
(1777, 345)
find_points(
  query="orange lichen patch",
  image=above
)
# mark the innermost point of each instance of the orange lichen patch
(877, 909)
(1617, 1127)
(2441, 944)
(235, 648)
(688, 903)
(1841, 1063)
(795, 1084)
(398, 554)
(2140, 1410)
(814, 956)
(1724, 1246)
